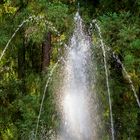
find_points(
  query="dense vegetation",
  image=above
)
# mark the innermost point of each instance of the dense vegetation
(36, 48)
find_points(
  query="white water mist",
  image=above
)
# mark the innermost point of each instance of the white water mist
(78, 109)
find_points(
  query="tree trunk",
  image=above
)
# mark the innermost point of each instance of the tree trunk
(21, 65)
(46, 52)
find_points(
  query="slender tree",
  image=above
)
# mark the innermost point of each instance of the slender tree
(46, 51)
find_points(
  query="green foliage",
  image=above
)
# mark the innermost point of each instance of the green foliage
(19, 108)
(36, 31)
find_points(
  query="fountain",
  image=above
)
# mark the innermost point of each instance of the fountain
(77, 102)
(79, 114)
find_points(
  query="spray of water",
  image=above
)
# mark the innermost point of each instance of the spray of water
(78, 109)
(107, 78)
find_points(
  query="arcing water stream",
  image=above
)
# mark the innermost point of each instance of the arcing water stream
(79, 117)
(107, 78)
(9, 41)
(129, 78)
(43, 97)
(29, 19)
